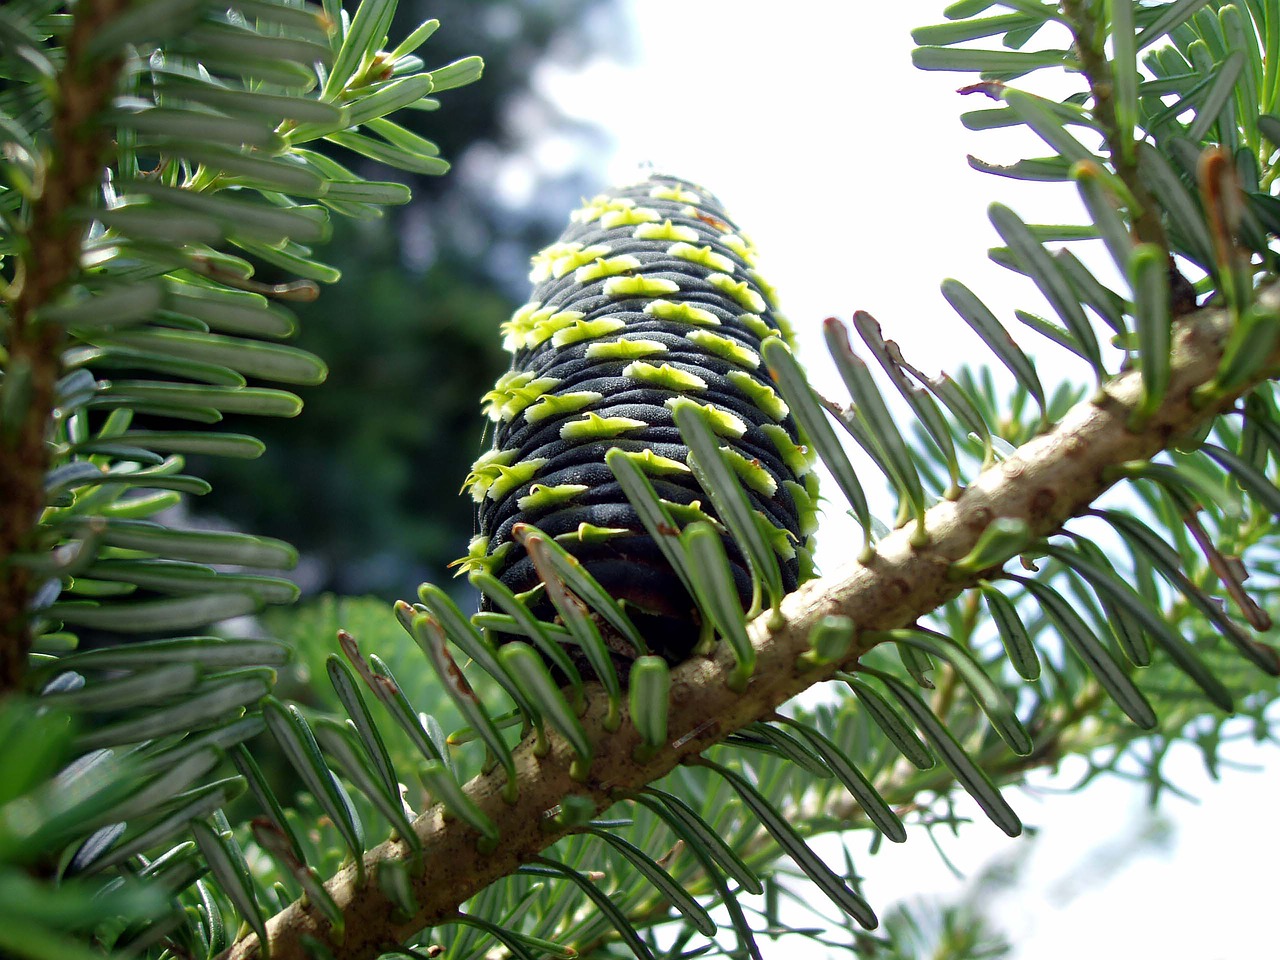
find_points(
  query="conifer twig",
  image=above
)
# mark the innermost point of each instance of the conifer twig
(49, 260)
(1048, 480)
(1147, 226)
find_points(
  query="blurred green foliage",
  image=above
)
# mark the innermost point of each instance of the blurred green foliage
(311, 629)
(367, 487)
(365, 482)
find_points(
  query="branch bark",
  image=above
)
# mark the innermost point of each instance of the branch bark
(1047, 481)
(50, 260)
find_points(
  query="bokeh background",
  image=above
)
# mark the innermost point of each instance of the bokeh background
(848, 168)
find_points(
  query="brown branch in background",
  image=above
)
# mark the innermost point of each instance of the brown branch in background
(1048, 480)
(1089, 45)
(50, 259)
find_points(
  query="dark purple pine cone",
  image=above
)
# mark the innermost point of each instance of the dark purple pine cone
(649, 295)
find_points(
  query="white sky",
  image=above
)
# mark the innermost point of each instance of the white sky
(847, 167)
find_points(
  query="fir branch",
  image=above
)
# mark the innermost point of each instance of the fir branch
(1045, 482)
(1090, 41)
(50, 260)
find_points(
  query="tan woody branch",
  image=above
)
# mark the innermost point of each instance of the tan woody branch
(50, 259)
(1047, 481)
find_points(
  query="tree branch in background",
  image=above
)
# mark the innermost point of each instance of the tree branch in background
(1090, 47)
(1047, 481)
(48, 262)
